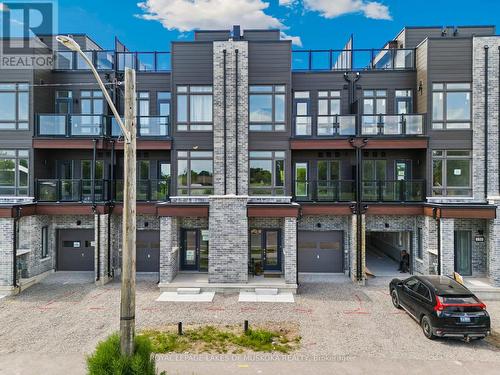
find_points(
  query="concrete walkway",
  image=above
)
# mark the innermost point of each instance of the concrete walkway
(381, 265)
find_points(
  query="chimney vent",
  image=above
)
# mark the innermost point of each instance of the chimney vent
(236, 32)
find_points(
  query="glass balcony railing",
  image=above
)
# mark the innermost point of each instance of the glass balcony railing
(353, 59)
(326, 126)
(80, 190)
(393, 191)
(375, 125)
(107, 60)
(325, 191)
(60, 125)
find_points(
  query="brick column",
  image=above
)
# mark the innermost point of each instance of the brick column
(493, 248)
(430, 245)
(447, 246)
(228, 239)
(353, 223)
(102, 238)
(169, 248)
(290, 249)
(6, 254)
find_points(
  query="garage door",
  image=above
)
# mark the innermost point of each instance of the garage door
(75, 251)
(148, 251)
(320, 252)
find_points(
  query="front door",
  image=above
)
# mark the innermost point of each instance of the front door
(265, 248)
(194, 251)
(463, 252)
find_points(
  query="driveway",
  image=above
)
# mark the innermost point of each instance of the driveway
(61, 319)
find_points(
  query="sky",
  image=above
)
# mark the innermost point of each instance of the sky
(311, 24)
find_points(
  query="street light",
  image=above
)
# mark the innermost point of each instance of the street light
(127, 301)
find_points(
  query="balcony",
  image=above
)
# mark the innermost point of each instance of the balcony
(107, 60)
(327, 126)
(371, 191)
(80, 190)
(353, 59)
(325, 191)
(393, 191)
(392, 125)
(91, 126)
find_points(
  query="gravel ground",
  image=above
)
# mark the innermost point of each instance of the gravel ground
(335, 319)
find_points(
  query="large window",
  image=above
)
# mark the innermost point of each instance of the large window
(143, 103)
(14, 172)
(451, 173)
(451, 106)
(195, 172)
(328, 106)
(92, 102)
(267, 172)
(374, 102)
(302, 112)
(267, 108)
(14, 106)
(194, 108)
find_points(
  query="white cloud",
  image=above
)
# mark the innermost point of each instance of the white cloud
(295, 39)
(187, 15)
(336, 8)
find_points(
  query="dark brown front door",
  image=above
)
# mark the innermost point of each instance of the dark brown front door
(75, 251)
(148, 251)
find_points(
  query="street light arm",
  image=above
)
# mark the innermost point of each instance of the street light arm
(125, 131)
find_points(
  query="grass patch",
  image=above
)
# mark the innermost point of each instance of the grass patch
(107, 359)
(228, 339)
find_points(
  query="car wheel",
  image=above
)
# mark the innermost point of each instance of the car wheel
(395, 299)
(427, 327)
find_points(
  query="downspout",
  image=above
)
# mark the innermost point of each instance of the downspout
(225, 123)
(112, 173)
(98, 242)
(236, 51)
(14, 247)
(486, 123)
(94, 156)
(110, 212)
(438, 225)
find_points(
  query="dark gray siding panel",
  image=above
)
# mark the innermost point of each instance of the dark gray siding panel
(269, 62)
(414, 36)
(261, 35)
(208, 36)
(192, 63)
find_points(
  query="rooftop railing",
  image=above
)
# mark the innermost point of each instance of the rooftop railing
(355, 59)
(107, 60)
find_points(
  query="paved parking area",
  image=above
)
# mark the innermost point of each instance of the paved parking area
(66, 315)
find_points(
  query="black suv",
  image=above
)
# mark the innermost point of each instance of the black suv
(442, 306)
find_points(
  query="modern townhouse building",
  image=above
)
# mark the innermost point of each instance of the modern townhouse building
(256, 162)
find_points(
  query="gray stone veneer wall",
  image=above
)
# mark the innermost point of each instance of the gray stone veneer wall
(493, 249)
(290, 249)
(447, 246)
(235, 153)
(169, 248)
(478, 107)
(228, 239)
(6, 251)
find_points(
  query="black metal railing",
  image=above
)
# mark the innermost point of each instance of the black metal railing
(325, 191)
(75, 125)
(353, 59)
(371, 191)
(107, 60)
(83, 190)
(393, 191)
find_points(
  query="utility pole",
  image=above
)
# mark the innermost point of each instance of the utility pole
(127, 303)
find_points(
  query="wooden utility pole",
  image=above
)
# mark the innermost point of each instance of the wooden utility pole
(127, 303)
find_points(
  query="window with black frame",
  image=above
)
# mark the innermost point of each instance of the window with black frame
(302, 113)
(451, 106)
(267, 108)
(195, 173)
(14, 172)
(14, 106)
(267, 172)
(451, 173)
(328, 110)
(374, 105)
(194, 108)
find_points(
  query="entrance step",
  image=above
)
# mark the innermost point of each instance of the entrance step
(188, 290)
(266, 291)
